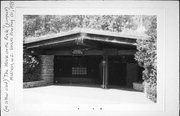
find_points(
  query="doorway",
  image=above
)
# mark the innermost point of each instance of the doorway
(117, 71)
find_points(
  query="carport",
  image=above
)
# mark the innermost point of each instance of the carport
(87, 56)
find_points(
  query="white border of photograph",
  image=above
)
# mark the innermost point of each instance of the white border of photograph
(167, 57)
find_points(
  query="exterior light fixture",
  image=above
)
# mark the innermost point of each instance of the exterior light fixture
(32, 52)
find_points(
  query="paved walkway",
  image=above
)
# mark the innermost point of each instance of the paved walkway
(61, 94)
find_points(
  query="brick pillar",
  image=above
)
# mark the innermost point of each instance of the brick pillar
(47, 68)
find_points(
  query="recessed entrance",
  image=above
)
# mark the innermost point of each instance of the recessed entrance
(77, 69)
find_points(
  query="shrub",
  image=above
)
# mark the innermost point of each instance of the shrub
(147, 58)
(31, 67)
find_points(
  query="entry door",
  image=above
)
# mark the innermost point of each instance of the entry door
(117, 72)
(132, 75)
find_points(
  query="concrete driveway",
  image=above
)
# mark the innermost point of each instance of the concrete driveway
(62, 94)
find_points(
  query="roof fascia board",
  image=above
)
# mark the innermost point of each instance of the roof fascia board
(81, 31)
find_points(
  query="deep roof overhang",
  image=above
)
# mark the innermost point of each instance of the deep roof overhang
(83, 39)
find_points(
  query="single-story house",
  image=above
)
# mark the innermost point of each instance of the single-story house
(87, 56)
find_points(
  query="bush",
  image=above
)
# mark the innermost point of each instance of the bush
(31, 67)
(151, 91)
(147, 58)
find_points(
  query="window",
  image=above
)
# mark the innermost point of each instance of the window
(79, 71)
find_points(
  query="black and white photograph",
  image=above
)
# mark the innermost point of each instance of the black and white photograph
(118, 58)
(90, 58)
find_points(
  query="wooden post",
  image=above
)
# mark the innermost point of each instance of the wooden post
(105, 71)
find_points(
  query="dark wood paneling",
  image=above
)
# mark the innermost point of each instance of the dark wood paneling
(126, 52)
(109, 52)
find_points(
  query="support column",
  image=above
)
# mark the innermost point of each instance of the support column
(105, 71)
(47, 68)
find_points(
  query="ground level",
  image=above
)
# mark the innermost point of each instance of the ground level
(75, 94)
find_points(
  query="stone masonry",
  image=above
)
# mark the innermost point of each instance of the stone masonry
(47, 68)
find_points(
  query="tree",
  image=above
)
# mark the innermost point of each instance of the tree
(38, 25)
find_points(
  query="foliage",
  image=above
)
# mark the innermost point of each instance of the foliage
(37, 25)
(31, 67)
(147, 57)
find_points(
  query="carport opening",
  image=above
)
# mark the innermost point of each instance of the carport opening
(88, 71)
